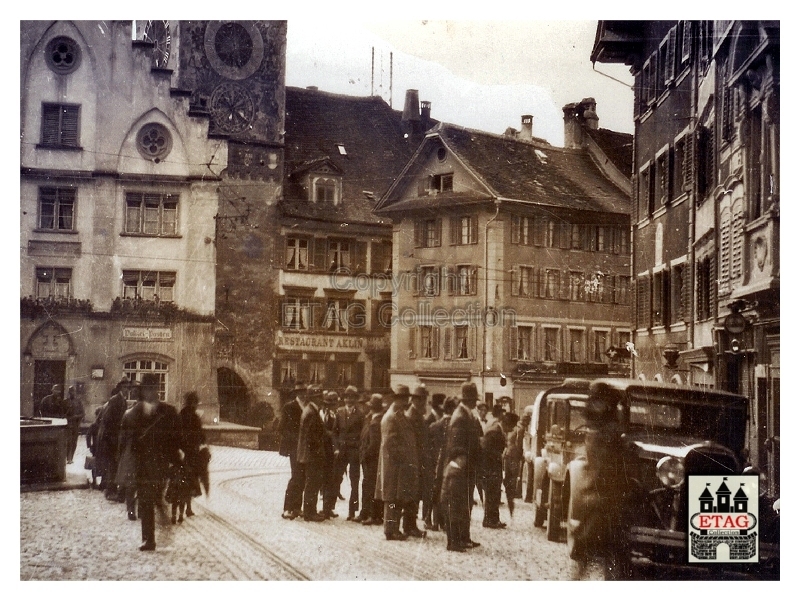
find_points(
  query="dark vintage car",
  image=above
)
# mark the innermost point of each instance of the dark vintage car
(626, 496)
(558, 433)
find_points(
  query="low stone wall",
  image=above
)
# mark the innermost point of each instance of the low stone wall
(231, 434)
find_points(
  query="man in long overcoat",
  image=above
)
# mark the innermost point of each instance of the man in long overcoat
(290, 430)
(429, 459)
(156, 435)
(461, 459)
(311, 453)
(493, 445)
(349, 422)
(371, 509)
(398, 465)
(108, 439)
(437, 436)
(330, 481)
(416, 417)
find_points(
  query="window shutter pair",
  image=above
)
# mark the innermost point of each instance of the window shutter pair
(516, 226)
(643, 302)
(513, 333)
(320, 253)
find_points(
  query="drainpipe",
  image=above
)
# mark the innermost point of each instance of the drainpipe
(486, 290)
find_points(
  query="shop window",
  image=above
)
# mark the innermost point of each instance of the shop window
(56, 208)
(134, 370)
(288, 372)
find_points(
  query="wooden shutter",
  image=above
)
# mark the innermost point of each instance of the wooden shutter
(51, 124)
(435, 334)
(449, 277)
(419, 232)
(473, 280)
(69, 125)
(447, 343)
(455, 231)
(670, 66)
(412, 342)
(438, 240)
(564, 236)
(516, 226)
(358, 258)
(563, 291)
(643, 302)
(320, 253)
(414, 276)
(513, 332)
(542, 275)
(515, 281)
(473, 229)
(538, 231)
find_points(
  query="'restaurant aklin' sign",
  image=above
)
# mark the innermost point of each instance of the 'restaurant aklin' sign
(320, 342)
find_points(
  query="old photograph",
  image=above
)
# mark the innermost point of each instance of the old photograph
(399, 300)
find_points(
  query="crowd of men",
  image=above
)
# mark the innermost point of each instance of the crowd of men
(408, 453)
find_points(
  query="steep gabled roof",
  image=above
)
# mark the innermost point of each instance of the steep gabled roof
(618, 147)
(529, 172)
(371, 135)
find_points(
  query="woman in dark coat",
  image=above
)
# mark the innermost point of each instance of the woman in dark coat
(192, 437)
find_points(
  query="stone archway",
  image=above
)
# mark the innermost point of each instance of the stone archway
(234, 397)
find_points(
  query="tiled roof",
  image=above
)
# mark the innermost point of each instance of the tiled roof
(617, 146)
(529, 172)
(371, 134)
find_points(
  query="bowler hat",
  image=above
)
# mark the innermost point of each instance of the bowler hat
(375, 402)
(351, 390)
(299, 388)
(313, 392)
(420, 391)
(469, 391)
(437, 400)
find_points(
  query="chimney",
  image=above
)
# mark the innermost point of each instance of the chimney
(411, 119)
(590, 113)
(425, 114)
(527, 128)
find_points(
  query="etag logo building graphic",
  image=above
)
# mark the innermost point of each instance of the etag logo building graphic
(723, 527)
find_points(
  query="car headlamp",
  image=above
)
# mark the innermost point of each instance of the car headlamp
(670, 471)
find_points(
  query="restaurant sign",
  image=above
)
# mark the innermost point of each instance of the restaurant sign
(320, 342)
(145, 334)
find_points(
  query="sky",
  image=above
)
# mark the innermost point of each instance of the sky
(482, 74)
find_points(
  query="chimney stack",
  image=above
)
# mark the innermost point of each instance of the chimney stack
(526, 134)
(425, 114)
(411, 122)
(577, 116)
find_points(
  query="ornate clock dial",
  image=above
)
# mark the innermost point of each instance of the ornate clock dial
(233, 45)
(235, 49)
(158, 32)
(231, 108)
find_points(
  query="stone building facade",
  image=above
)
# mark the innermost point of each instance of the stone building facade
(707, 208)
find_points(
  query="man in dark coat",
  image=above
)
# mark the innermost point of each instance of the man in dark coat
(371, 509)
(156, 436)
(461, 459)
(349, 423)
(108, 438)
(311, 452)
(75, 414)
(290, 429)
(330, 481)
(416, 418)
(493, 445)
(437, 435)
(398, 465)
(429, 459)
(53, 405)
(126, 472)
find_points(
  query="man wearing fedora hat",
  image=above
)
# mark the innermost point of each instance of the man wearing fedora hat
(369, 451)
(330, 483)
(349, 423)
(290, 429)
(398, 465)
(461, 458)
(108, 438)
(429, 459)
(416, 417)
(155, 430)
(311, 452)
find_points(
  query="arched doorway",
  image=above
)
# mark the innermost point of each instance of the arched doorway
(234, 399)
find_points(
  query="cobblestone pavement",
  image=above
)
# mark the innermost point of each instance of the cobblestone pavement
(237, 534)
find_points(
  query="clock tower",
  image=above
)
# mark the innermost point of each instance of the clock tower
(234, 75)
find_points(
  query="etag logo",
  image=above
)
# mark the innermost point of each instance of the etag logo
(723, 526)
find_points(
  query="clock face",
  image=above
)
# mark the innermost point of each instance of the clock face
(235, 49)
(231, 108)
(158, 33)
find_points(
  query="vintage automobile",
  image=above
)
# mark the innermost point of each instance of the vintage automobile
(558, 429)
(626, 495)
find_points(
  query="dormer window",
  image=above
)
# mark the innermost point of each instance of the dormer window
(436, 184)
(325, 190)
(342, 150)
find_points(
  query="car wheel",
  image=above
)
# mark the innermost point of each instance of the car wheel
(539, 510)
(554, 512)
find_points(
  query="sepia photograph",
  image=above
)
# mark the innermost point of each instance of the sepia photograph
(476, 300)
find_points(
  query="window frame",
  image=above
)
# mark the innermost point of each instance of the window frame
(134, 373)
(52, 281)
(57, 203)
(300, 305)
(551, 352)
(146, 276)
(144, 214)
